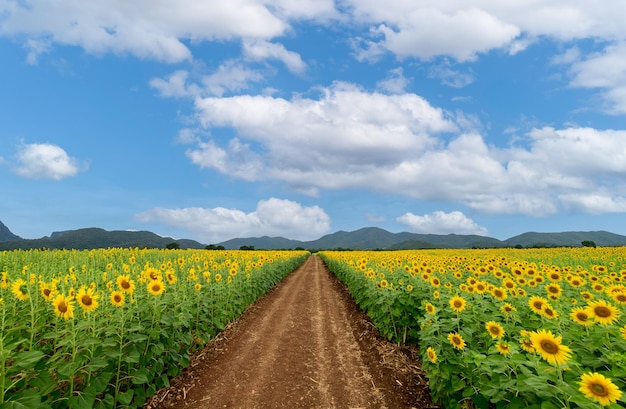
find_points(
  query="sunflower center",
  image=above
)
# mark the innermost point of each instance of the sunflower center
(125, 285)
(86, 300)
(117, 298)
(47, 291)
(549, 346)
(599, 390)
(538, 305)
(602, 312)
(494, 330)
(156, 287)
(582, 316)
(458, 304)
(62, 307)
(553, 290)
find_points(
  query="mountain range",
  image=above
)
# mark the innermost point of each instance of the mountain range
(364, 239)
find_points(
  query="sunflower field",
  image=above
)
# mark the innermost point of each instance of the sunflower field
(502, 328)
(107, 328)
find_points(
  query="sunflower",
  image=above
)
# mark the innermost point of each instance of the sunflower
(580, 316)
(599, 388)
(603, 312)
(218, 277)
(550, 347)
(117, 298)
(430, 309)
(537, 303)
(549, 312)
(586, 295)
(503, 348)
(63, 306)
(457, 303)
(494, 329)
(87, 300)
(499, 293)
(125, 284)
(456, 340)
(622, 331)
(20, 290)
(156, 287)
(525, 341)
(507, 308)
(170, 275)
(409, 288)
(198, 286)
(619, 297)
(47, 290)
(553, 289)
(432, 355)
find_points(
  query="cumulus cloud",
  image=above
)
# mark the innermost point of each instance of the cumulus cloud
(395, 83)
(273, 217)
(605, 71)
(442, 223)
(262, 50)
(451, 77)
(45, 161)
(401, 144)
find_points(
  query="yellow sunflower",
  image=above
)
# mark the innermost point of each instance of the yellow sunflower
(619, 297)
(125, 284)
(550, 347)
(198, 286)
(20, 290)
(507, 309)
(549, 312)
(47, 290)
(580, 316)
(430, 309)
(603, 312)
(117, 298)
(553, 289)
(87, 300)
(537, 303)
(499, 293)
(503, 348)
(622, 331)
(525, 341)
(218, 277)
(457, 303)
(63, 306)
(495, 329)
(432, 355)
(599, 388)
(156, 287)
(456, 340)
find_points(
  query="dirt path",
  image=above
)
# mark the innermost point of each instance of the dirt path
(304, 345)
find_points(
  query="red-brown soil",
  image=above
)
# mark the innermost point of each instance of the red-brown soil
(304, 345)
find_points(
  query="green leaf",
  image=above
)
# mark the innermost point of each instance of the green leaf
(126, 397)
(27, 359)
(140, 377)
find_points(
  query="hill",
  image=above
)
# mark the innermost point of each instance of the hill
(91, 238)
(368, 238)
(6, 234)
(572, 238)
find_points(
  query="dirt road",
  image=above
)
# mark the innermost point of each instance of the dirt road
(304, 345)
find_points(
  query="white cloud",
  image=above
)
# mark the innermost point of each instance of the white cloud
(606, 71)
(260, 50)
(272, 217)
(45, 161)
(450, 77)
(394, 144)
(395, 83)
(442, 223)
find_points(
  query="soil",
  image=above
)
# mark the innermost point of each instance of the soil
(305, 344)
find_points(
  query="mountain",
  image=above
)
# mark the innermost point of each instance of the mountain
(91, 238)
(377, 238)
(368, 238)
(571, 238)
(6, 235)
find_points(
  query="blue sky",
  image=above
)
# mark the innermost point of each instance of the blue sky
(216, 120)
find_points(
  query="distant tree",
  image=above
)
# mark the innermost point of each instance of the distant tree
(246, 248)
(299, 248)
(588, 243)
(172, 246)
(211, 247)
